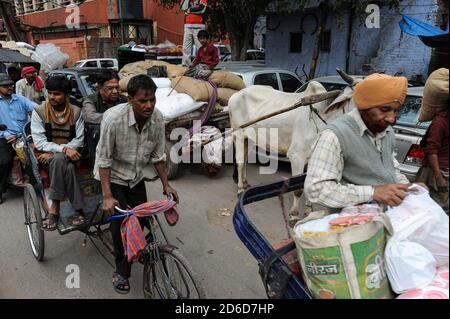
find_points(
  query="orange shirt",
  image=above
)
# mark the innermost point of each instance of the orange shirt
(194, 18)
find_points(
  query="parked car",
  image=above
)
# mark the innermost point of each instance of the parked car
(97, 63)
(252, 55)
(84, 82)
(256, 74)
(408, 130)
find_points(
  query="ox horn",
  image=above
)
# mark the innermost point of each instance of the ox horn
(347, 78)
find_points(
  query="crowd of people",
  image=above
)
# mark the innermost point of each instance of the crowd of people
(129, 133)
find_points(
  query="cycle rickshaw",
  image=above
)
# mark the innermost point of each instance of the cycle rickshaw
(279, 277)
(167, 274)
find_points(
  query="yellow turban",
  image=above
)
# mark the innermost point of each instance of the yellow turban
(379, 89)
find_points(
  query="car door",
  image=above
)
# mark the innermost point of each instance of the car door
(107, 64)
(267, 78)
(289, 83)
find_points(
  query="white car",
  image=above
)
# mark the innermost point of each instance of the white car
(258, 74)
(105, 63)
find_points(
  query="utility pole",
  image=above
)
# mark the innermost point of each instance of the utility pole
(9, 20)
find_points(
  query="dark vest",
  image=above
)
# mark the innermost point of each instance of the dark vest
(59, 134)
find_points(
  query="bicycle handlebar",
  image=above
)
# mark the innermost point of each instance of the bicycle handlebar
(128, 212)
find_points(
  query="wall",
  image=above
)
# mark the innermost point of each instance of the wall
(93, 12)
(169, 22)
(74, 47)
(384, 49)
(278, 44)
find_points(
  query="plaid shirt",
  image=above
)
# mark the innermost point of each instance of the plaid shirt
(322, 185)
(126, 151)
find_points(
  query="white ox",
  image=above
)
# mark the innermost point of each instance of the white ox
(298, 130)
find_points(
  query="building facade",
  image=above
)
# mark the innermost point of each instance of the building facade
(357, 49)
(95, 28)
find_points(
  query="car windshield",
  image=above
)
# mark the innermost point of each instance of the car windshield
(89, 83)
(77, 64)
(409, 113)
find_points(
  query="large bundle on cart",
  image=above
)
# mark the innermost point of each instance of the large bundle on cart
(435, 96)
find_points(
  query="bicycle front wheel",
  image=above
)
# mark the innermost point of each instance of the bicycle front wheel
(171, 277)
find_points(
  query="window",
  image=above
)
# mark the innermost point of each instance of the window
(260, 56)
(296, 43)
(289, 82)
(269, 79)
(75, 89)
(325, 41)
(408, 115)
(106, 63)
(91, 64)
(251, 56)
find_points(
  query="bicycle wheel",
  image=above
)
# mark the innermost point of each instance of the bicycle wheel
(171, 277)
(33, 221)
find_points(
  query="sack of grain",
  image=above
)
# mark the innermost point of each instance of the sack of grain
(224, 95)
(228, 80)
(198, 90)
(435, 95)
(142, 67)
(343, 260)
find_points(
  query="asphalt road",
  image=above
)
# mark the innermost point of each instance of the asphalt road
(204, 234)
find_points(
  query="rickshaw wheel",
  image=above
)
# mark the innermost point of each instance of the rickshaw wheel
(171, 277)
(171, 167)
(33, 222)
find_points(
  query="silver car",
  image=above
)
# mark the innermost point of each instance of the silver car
(408, 130)
(258, 74)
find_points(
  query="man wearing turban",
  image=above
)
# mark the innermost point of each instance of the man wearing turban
(31, 86)
(354, 159)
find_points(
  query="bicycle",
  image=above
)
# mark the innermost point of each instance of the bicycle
(167, 273)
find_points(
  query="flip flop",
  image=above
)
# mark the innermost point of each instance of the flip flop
(120, 284)
(52, 220)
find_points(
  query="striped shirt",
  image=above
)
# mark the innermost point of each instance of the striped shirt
(322, 185)
(126, 151)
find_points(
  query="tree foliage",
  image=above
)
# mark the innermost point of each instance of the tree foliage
(237, 18)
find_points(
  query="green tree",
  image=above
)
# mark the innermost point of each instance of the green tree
(237, 18)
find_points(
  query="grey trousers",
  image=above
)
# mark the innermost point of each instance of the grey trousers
(201, 71)
(63, 180)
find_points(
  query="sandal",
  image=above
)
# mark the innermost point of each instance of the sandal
(120, 284)
(51, 223)
(77, 220)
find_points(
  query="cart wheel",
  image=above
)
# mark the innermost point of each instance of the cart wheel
(171, 167)
(33, 222)
(171, 277)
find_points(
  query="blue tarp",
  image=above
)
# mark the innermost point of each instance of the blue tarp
(430, 35)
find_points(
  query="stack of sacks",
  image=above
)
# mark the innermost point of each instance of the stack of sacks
(227, 84)
(342, 255)
(136, 68)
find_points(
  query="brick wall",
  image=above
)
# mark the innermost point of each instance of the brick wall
(74, 47)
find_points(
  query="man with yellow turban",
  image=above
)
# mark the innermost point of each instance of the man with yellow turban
(354, 158)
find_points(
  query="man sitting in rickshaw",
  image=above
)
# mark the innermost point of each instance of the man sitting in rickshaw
(58, 135)
(14, 111)
(95, 105)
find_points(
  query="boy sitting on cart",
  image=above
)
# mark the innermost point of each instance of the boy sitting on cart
(58, 135)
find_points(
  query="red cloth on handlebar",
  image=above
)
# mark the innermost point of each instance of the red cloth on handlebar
(132, 236)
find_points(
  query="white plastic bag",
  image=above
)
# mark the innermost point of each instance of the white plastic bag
(433, 234)
(409, 265)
